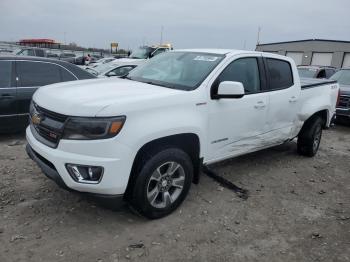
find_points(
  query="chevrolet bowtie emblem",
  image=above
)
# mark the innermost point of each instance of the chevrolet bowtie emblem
(36, 119)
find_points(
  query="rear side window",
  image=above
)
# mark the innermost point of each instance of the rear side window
(27, 52)
(66, 76)
(5, 74)
(329, 72)
(120, 71)
(40, 52)
(37, 73)
(321, 74)
(244, 70)
(280, 74)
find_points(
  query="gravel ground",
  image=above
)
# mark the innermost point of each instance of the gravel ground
(298, 209)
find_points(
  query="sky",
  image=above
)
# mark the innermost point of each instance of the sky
(185, 23)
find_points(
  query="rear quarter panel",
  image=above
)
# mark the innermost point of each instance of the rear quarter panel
(315, 99)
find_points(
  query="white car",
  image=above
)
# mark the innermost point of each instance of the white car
(118, 67)
(101, 62)
(144, 139)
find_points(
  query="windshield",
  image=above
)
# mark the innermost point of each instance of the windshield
(179, 70)
(141, 53)
(307, 72)
(342, 76)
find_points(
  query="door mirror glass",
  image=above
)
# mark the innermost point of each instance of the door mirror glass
(230, 89)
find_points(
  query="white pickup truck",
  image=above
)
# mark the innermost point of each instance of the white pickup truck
(144, 138)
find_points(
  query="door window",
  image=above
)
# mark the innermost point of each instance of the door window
(329, 72)
(321, 74)
(37, 73)
(27, 52)
(67, 76)
(120, 71)
(5, 74)
(244, 70)
(280, 74)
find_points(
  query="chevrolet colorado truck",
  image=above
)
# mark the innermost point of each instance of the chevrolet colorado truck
(143, 139)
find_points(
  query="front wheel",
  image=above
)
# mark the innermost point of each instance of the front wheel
(309, 138)
(162, 183)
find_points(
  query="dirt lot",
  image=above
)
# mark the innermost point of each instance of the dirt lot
(298, 210)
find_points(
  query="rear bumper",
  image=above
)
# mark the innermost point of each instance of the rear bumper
(344, 112)
(50, 171)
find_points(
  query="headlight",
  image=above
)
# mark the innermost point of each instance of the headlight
(81, 128)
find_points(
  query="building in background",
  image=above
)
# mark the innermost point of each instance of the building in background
(42, 43)
(312, 51)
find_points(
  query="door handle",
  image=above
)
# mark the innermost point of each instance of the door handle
(260, 105)
(6, 96)
(293, 99)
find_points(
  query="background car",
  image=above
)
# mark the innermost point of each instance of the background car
(19, 79)
(101, 61)
(68, 57)
(31, 52)
(343, 78)
(118, 68)
(145, 52)
(316, 71)
(52, 55)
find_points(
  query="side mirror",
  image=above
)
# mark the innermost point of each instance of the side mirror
(229, 89)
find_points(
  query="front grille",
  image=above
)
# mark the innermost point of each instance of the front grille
(55, 116)
(344, 102)
(49, 128)
(47, 134)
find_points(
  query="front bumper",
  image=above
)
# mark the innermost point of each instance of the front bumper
(344, 112)
(114, 157)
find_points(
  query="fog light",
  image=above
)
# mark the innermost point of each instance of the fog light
(85, 174)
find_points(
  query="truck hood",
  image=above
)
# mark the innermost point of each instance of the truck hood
(89, 97)
(345, 89)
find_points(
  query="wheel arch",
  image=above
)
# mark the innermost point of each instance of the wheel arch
(323, 114)
(188, 142)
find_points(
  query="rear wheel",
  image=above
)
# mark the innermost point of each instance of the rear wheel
(309, 138)
(162, 184)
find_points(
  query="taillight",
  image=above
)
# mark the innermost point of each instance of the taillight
(338, 98)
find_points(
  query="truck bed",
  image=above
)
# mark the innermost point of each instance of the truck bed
(313, 82)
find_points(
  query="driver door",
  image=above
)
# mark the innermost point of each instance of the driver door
(237, 125)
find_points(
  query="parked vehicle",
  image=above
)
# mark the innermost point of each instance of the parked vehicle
(52, 55)
(144, 138)
(101, 62)
(5, 51)
(146, 52)
(343, 78)
(91, 59)
(19, 79)
(119, 67)
(79, 60)
(316, 71)
(68, 57)
(31, 52)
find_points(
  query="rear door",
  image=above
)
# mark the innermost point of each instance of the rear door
(284, 94)
(8, 104)
(30, 76)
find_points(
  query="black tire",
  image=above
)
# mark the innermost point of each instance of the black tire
(161, 161)
(309, 137)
